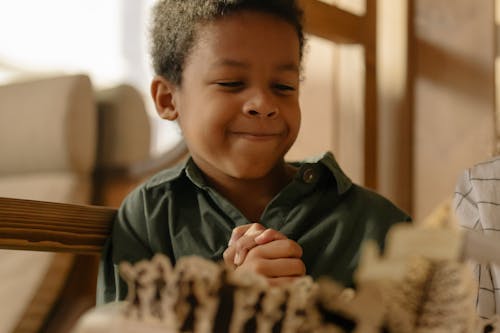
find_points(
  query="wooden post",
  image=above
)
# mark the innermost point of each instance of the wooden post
(371, 115)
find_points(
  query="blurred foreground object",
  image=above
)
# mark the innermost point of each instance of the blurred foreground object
(420, 284)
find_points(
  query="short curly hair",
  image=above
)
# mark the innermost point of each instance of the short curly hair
(174, 23)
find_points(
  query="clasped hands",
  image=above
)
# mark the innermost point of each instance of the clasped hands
(265, 251)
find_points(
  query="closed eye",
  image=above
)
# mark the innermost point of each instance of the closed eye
(284, 88)
(230, 84)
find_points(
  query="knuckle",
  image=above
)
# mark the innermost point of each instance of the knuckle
(239, 247)
(301, 267)
(299, 251)
(238, 230)
(255, 227)
(242, 245)
(226, 254)
(289, 245)
(293, 247)
(272, 233)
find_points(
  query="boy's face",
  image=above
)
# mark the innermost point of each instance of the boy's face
(238, 103)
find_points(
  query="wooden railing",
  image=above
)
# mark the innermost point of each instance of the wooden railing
(47, 226)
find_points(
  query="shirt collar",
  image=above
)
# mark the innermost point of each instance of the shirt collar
(189, 168)
(195, 174)
(343, 182)
(168, 175)
(328, 161)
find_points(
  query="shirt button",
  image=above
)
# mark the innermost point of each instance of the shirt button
(308, 176)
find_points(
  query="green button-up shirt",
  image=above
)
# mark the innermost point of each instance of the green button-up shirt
(177, 213)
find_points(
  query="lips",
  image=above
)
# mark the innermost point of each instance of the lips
(257, 135)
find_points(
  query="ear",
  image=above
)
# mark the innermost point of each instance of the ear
(163, 91)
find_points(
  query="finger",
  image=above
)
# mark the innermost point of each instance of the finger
(280, 281)
(250, 231)
(228, 256)
(269, 235)
(274, 268)
(281, 248)
(242, 246)
(238, 232)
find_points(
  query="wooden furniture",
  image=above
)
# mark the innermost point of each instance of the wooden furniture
(77, 234)
(90, 157)
(342, 27)
(69, 282)
(46, 226)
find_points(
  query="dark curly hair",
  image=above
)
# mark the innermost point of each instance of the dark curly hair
(174, 23)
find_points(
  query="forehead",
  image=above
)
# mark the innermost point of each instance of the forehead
(247, 35)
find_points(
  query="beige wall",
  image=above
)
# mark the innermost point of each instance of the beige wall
(426, 142)
(316, 100)
(453, 96)
(331, 99)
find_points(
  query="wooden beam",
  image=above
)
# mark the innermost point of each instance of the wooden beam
(46, 226)
(496, 86)
(497, 40)
(371, 98)
(332, 23)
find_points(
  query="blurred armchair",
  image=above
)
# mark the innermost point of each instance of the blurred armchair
(62, 141)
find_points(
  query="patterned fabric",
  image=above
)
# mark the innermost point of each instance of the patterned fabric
(477, 206)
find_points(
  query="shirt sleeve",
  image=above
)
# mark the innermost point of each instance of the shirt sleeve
(469, 217)
(129, 242)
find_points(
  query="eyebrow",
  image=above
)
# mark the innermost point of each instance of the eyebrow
(288, 67)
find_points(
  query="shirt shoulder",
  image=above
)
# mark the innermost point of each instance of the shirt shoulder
(166, 176)
(139, 204)
(371, 203)
(474, 179)
(489, 169)
(376, 204)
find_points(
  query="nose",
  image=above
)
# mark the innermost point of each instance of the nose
(261, 106)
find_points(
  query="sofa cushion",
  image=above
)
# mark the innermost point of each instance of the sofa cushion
(48, 125)
(124, 128)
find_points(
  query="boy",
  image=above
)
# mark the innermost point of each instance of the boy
(228, 72)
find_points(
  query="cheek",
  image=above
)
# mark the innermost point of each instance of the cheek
(294, 119)
(205, 127)
(218, 116)
(298, 116)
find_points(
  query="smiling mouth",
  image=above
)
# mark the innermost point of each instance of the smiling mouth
(255, 136)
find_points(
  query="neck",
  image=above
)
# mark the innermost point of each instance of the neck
(251, 196)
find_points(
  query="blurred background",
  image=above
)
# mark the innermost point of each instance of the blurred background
(403, 92)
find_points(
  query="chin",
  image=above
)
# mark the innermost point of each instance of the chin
(251, 170)
(247, 174)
